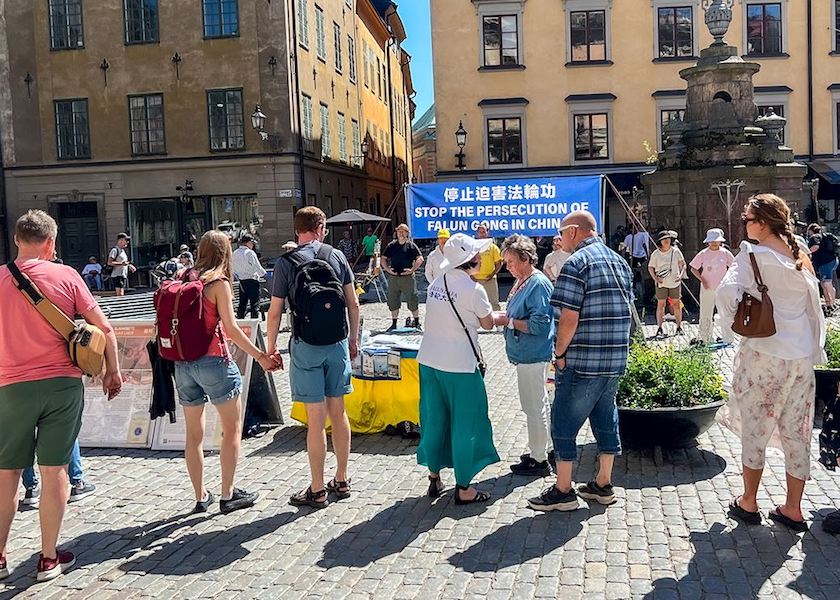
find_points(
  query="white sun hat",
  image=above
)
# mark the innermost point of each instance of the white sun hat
(460, 248)
(714, 235)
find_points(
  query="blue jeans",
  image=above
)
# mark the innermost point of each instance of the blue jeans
(74, 469)
(94, 282)
(577, 398)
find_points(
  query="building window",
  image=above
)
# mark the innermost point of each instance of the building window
(325, 130)
(308, 124)
(591, 136)
(141, 21)
(764, 28)
(665, 117)
(342, 138)
(504, 141)
(351, 58)
(365, 62)
(227, 127)
(778, 109)
(371, 61)
(72, 130)
(379, 78)
(146, 124)
(337, 44)
(66, 24)
(303, 23)
(501, 40)
(836, 22)
(837, 126)
(355, 140)
(588, 35)
(675, 31)
(320, 34)
(221, 18)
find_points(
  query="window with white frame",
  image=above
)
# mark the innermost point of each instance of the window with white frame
(666, 115)
(351, 58)
(669, 104)
(320, 34)
(66, 32)
(225, 119)
(146, 124)
(221, 18)
(765, 28)
(365, 62)
(379, 71)
(342, 138)
(588, 31)
(306, 114)
(337, 44)
(357, 143)
(591, 128)
(675, 31)
(778, 100)
(141, 21)
(303, 22)
(325, 130)
(72, 130)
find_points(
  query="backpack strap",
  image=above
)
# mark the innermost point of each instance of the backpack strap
(54, 316)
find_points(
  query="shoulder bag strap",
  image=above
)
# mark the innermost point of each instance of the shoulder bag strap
(761, 287)
(54, 316)
(476, 353)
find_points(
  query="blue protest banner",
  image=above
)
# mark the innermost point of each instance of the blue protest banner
(534, 207)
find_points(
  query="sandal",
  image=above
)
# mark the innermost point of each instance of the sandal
(779, 517)
(479, 496)
(309, 498)
(739, 514)
(435, 487)
(340, 488)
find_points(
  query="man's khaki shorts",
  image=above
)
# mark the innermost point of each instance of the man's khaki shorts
(663, 293)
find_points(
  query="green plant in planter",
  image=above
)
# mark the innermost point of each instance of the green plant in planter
(669, 378)
(832, 348)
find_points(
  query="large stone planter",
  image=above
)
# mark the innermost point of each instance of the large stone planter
(665, 427)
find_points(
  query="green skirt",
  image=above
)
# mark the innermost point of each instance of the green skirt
(456, 430)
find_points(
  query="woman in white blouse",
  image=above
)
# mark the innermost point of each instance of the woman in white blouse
(773, 383)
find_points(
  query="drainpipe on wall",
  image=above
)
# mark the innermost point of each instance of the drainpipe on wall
(300, 153)
(810, 38)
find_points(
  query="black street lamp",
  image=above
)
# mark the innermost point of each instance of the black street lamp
(258, 123)
(461, 140)
(365, 148)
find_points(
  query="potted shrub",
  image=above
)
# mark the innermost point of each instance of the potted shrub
(828, 375)
(668, 397)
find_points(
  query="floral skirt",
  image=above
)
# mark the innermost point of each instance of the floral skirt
(772, 403)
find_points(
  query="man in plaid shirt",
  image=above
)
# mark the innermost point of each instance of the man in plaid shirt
(593, 337)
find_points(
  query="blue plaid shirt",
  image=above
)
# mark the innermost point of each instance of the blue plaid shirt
(588, 285)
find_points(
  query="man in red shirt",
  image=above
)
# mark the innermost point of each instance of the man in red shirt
(41, 391)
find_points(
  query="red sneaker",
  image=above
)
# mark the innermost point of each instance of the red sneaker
(4, 568)
(50, 568)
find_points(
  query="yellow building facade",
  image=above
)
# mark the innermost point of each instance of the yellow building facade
(585, 86)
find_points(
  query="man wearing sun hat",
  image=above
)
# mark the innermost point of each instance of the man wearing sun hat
(436, 256)
(709, 266)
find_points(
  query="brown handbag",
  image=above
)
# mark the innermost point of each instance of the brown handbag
(754, 317)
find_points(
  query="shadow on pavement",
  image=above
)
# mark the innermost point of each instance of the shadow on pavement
(291, 439)
(393, 529)
(820, 572)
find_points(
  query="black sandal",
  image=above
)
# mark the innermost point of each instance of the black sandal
(340, 488)
(779, 517)
(479, 496)
(309, 498)
(738, 513)
(435, 487)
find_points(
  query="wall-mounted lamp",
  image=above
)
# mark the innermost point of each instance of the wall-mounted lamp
(176, 60)
(258, 123)
(365, 148)
(272, 62)
(105, 65)
(461, 140)
(28, 81)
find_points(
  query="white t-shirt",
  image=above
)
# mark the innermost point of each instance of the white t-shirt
(445, 346)
(92, 268)
(118, 254)
(554, 262)
(433, 264)
(667, 266)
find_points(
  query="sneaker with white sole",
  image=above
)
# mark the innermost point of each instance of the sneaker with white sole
(32, 497)
(50, 568)
(592, 491)
(553, 499)
(79, 490)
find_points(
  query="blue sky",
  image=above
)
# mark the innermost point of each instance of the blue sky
(415, 16)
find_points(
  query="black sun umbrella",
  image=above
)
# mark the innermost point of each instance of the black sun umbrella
(351, 216)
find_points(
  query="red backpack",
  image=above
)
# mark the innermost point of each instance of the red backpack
(182, 334)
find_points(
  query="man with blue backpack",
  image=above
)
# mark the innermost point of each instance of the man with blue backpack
(317, 282)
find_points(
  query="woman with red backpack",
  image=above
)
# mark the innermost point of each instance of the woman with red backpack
(206, 371)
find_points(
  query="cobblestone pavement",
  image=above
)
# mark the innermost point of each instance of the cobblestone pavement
(667, 537)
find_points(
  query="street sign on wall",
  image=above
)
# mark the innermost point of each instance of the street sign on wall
(534, 206)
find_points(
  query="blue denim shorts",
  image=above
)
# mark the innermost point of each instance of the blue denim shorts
(577, 398)
(319, 372)
(826, 271)
(212, 378)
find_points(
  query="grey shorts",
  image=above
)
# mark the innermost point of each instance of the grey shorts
(399, 287)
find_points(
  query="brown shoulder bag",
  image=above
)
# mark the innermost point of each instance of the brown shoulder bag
(754, 317)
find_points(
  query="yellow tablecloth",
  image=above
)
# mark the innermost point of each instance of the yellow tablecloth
(375, 404)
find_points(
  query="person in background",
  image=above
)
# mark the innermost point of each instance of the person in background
(823, 248)
(346, 246)
(529, 340)
(638, 246)
(491, 264)
(41, 390)
(453, 399)
(118, 261)
(401, 259)
(436, 256)
(590, 355)
(554, 261)
(667, 267)
(92, 274)
(618, 237)
(369, 247)
(709, 267)
(79, 488)
(185, 256)
(249, 271)
(773, 381)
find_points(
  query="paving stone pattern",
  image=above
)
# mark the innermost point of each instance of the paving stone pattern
(667, 537)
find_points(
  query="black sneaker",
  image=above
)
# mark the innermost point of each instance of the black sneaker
(417, 324)
(202, 506)
(239, 499)
(553, 499)
(32, 497)
(593, 491)
(530, 467)
(409, 322)
(79, 490)
(393, 327)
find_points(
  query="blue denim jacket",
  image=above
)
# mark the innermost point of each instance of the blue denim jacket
(532, 304)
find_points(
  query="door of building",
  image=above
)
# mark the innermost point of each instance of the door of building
(78, 233)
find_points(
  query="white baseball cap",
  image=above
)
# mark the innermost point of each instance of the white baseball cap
(714, 235)
(460, 248)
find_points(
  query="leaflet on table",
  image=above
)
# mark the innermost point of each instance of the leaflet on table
(377, 362)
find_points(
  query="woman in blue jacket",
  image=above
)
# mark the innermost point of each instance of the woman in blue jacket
(529, 341)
